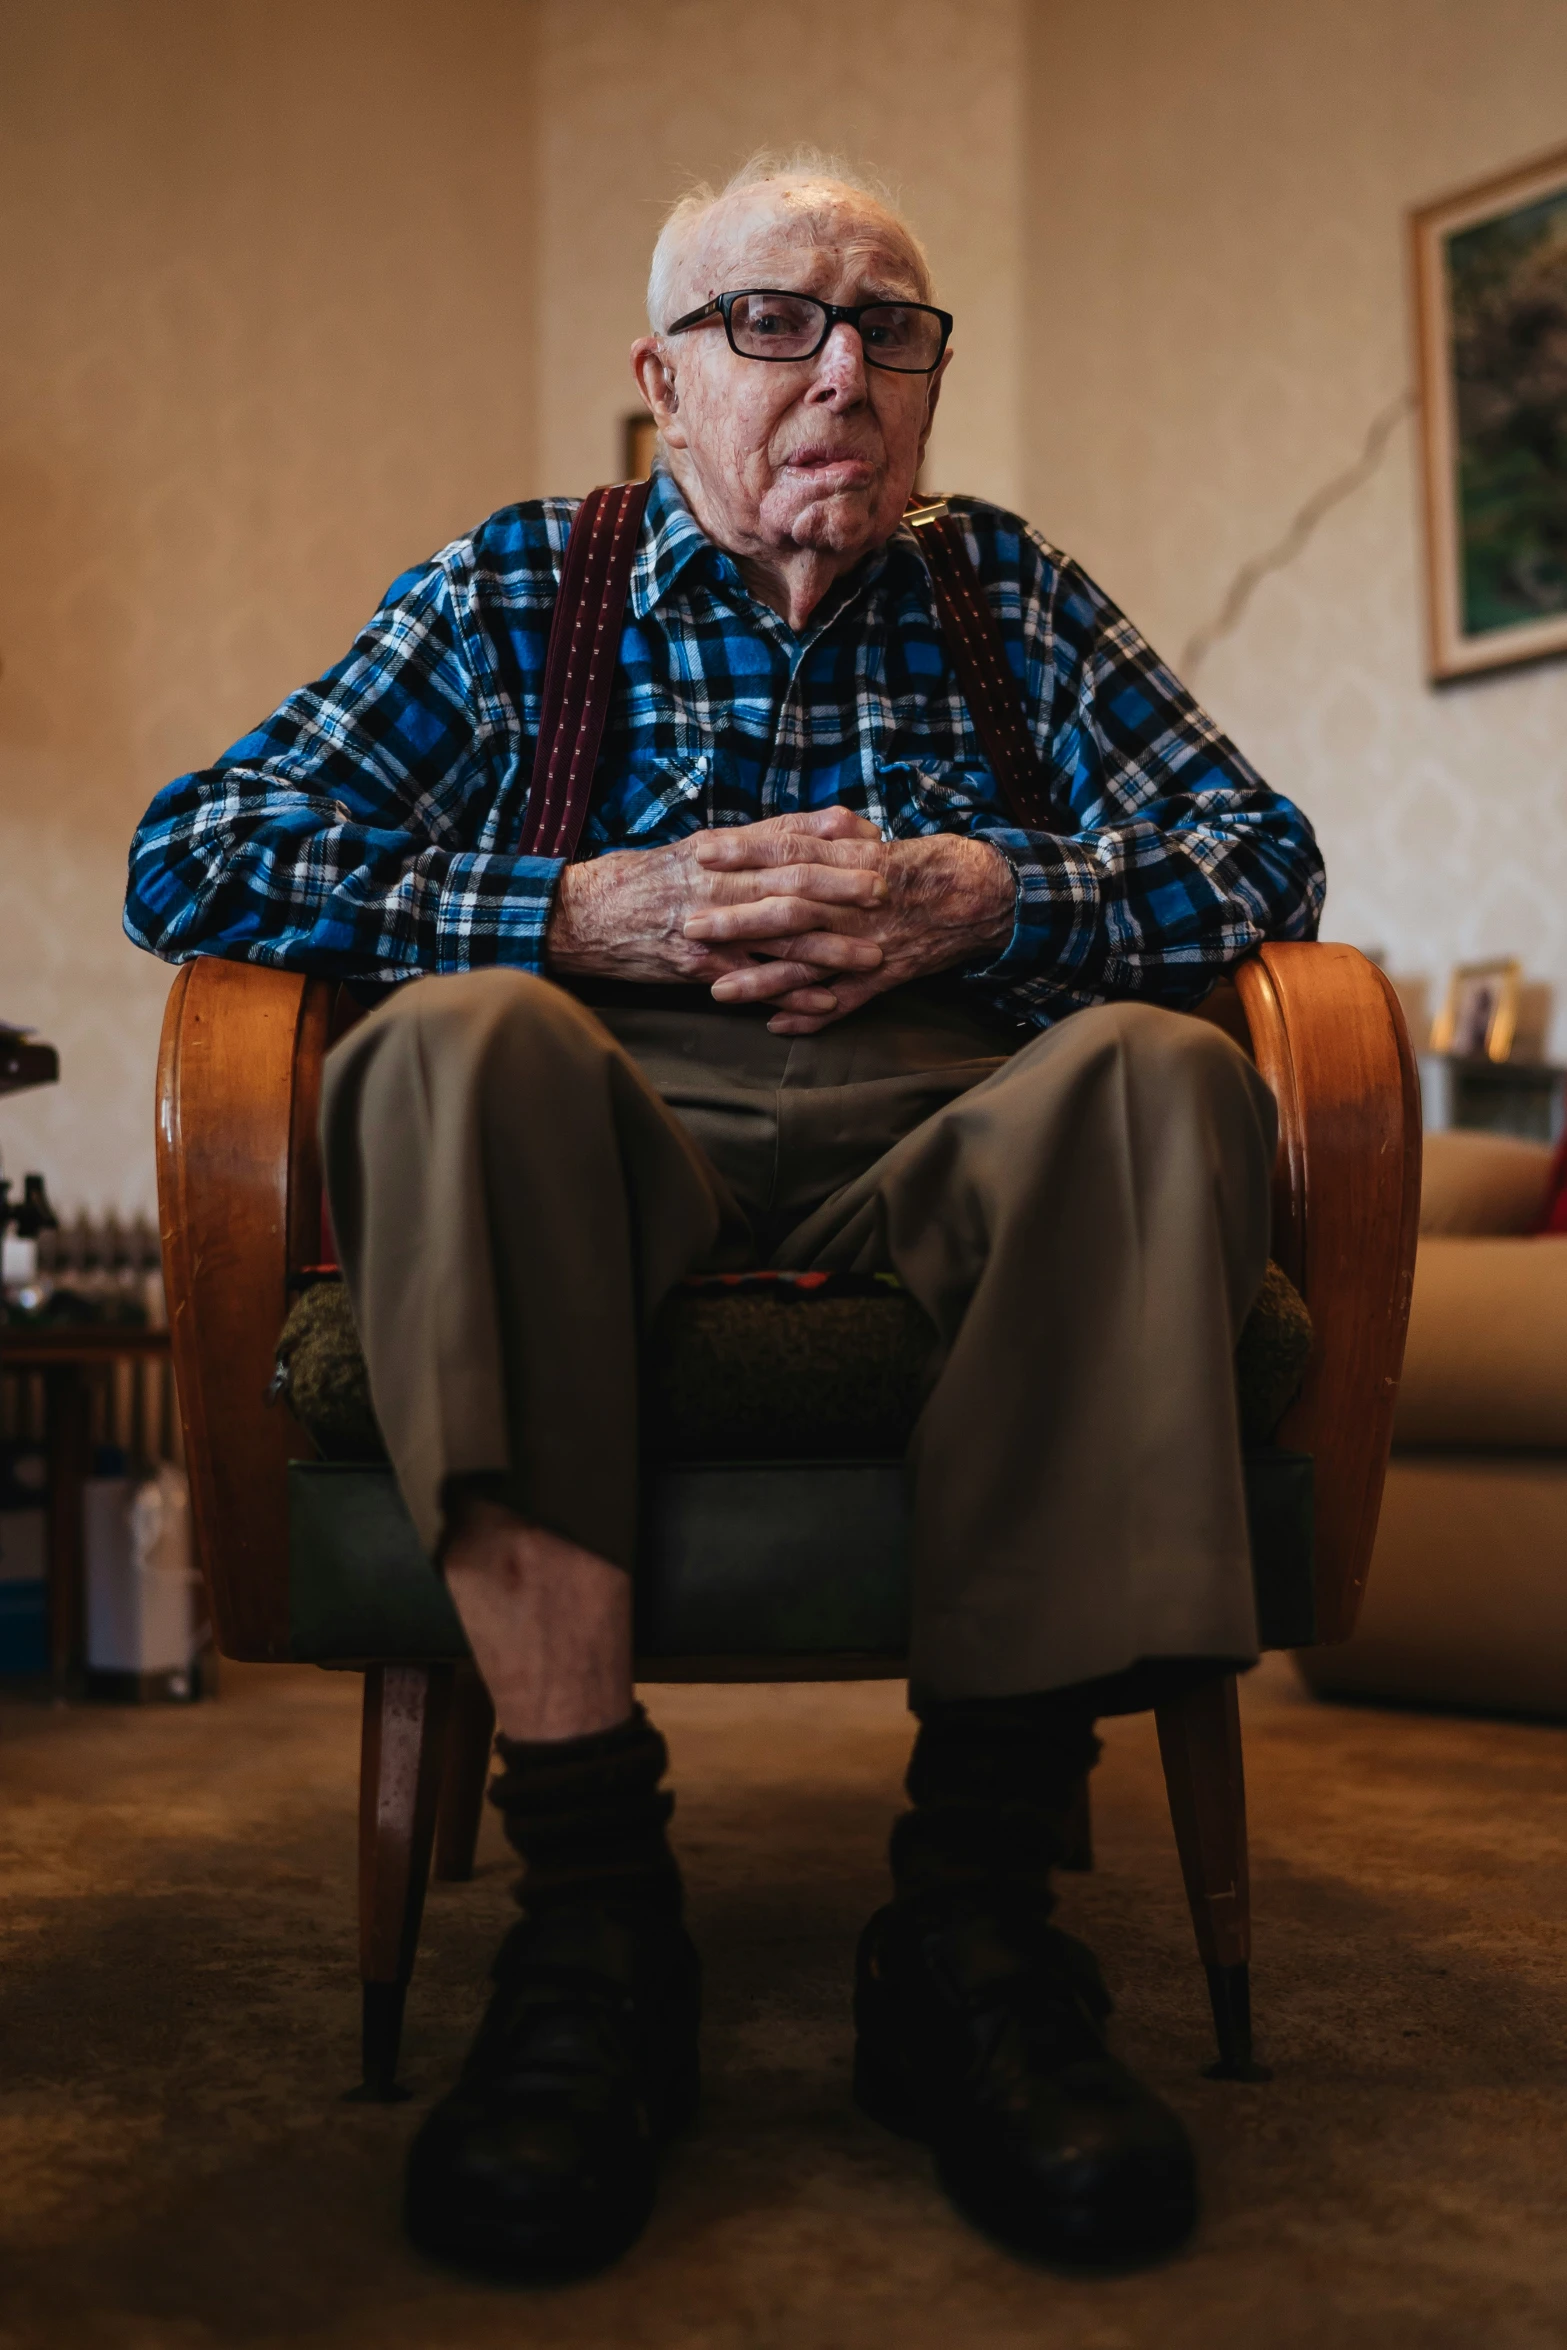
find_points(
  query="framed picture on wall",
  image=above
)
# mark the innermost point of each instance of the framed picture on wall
(1490, 278)
(1479, 1019)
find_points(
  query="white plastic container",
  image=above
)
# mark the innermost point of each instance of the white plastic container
(141, 1615)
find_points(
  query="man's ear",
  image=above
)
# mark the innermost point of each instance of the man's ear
(656, 382)
(932, 395)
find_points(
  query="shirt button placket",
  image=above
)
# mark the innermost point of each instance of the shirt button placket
(781, 783)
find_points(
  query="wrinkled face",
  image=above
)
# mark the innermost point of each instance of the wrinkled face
(814, 453)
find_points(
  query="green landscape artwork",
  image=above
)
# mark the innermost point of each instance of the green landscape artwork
(1507, 296)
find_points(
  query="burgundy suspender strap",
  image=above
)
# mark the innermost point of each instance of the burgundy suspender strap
(584, 648)
(973, 638)
(579, 669)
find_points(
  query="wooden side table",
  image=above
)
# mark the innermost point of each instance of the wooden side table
(67, 1355)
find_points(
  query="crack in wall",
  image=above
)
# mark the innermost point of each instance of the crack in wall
(1299, 532)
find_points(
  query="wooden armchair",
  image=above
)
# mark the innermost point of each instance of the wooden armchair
(239, 1179)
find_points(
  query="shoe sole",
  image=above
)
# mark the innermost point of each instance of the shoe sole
(537, 2254)
(1078, 2236)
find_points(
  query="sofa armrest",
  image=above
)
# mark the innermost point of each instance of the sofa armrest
(1490, 1184)
(1486, 1366)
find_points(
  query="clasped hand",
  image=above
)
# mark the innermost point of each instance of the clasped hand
(813, 914)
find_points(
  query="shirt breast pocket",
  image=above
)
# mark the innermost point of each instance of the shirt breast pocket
(655, 802)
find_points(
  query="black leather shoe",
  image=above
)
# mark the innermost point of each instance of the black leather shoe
(980, 2029)
(541, 2162)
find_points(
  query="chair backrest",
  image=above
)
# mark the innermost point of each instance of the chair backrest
(239, 1187)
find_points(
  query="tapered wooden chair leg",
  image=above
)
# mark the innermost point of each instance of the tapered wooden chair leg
(469, 1737)
(405, 1716)
(1200, 1746)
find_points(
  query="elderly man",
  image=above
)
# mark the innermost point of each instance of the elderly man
(808, 996)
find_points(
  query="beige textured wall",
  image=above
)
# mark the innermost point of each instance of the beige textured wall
(267, 338)
(291, 293)
(1219, 314)
(639, 101)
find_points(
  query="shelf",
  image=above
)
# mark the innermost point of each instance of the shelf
(1524, 1098)
(39, 1346)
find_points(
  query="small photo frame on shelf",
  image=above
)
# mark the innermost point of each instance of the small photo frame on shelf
(1479, 1019)
(1490, 287)
(638, 446)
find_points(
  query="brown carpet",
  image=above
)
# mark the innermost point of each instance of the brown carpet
(180, 2015)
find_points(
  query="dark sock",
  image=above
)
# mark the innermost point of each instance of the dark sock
(994, 1783)
(588, 1817)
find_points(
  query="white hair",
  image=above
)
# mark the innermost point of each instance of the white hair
(802, 171)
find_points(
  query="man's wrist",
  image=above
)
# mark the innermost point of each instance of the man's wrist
(568, 929)
(995, 892)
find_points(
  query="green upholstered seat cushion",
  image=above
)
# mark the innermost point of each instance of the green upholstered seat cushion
(1271, 1355)
(757, 1367)
(830, 1367)
(321, 1370)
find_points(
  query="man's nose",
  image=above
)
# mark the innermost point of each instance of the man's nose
(840, 364)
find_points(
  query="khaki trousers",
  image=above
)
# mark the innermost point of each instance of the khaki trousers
(517, 1181)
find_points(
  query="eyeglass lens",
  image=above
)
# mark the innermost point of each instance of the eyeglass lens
(790, 326)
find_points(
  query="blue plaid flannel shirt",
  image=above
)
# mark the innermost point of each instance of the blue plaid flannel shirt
(369, 827)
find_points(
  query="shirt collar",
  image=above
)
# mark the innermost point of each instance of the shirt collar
(672, 539)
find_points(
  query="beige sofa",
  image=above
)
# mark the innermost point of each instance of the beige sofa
(1466, 1603)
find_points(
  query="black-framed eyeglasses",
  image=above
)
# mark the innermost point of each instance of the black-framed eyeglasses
(767, 323)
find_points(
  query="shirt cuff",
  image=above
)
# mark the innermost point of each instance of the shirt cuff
(1055, 913)
(495, 910)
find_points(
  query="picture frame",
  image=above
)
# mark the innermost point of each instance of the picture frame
(1479, 1017)
(1489, 270)
(638, 446)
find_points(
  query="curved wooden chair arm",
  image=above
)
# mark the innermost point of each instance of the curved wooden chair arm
(1328, 1034)
(239, 1078)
